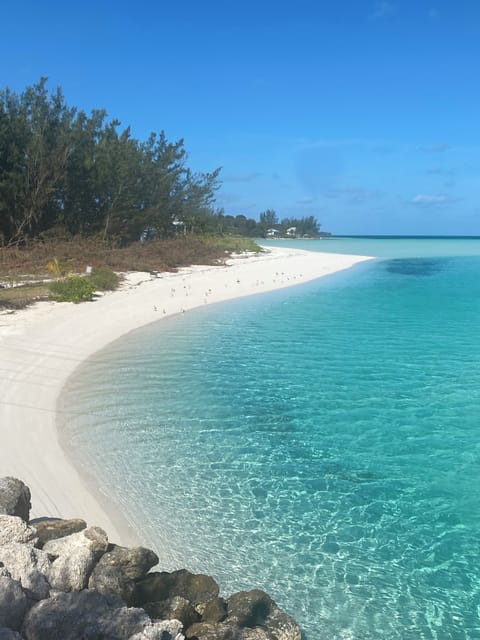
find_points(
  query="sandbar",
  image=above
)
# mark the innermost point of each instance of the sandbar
(41, 346)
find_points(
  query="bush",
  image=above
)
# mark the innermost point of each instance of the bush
(104, 279)
(72, 289)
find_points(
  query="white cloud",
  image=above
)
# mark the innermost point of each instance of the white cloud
(241, 177)
(430, 200)
(383, 10)
(435, 148)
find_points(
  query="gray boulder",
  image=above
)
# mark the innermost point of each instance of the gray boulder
(117, 570)
(14, 529)
(13, 603)
(9, 634)
(14, 498)
(176, 608)
(135, 562)
(157, 586)
(215, 610)
(29, 565)
(255, 608)
(54, 528)
(85, 615)
(163, 630)
(212, 631)
(75, 556)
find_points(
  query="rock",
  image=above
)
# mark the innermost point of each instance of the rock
(176, 608)
(212, 631)
(8, 634)
(249, 608)
(13, 603)
(257, 633)
(255, 608)
(85, 615)
(14, 529)
(108, 579)
(117, 570)
(29, 565)
(54, 528)
(164, 630)
(283, 626)
(159, 586)
(215, 610)
(14, 498)
(76, 555)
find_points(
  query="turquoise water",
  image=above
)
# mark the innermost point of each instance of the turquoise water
(321, 442)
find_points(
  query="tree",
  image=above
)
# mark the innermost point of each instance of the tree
(268, 220)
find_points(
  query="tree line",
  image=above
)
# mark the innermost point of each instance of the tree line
(62, 167)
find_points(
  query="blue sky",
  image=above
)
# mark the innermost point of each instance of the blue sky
(364, 114)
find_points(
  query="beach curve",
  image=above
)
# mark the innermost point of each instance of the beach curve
(41, 347)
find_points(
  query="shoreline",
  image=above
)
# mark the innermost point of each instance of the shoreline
(42, 346)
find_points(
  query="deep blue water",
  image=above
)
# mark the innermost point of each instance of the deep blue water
(321, 442)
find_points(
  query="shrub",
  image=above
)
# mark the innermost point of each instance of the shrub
(104, 279)
(72, 289)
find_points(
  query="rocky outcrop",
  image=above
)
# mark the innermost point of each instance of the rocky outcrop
(15, 498)
(54, 528)
(60, 580)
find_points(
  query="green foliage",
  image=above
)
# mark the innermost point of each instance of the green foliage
(72, 289)
(104, 280)
(60, 166)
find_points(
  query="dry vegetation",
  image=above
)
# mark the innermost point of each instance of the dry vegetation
(27, 265)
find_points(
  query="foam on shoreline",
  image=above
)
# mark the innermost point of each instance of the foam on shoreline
(41, 346)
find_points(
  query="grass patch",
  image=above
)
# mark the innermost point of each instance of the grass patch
(21, 296)
(104, 279)
(72, 289)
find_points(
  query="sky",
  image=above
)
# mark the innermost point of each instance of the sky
(364, 114)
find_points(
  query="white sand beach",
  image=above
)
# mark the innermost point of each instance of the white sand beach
(41, 346)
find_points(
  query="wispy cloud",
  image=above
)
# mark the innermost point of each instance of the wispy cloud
(432, 200)
(439, 171)
(354, 195)
(241, 177)
(435, 148)
(306, 200)
(383, 10)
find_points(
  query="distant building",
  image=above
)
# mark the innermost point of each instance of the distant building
(272, 233)
(291, 232)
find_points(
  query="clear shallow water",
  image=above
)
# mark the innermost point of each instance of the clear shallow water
(321, 442)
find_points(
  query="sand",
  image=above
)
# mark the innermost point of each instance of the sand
(40, 348)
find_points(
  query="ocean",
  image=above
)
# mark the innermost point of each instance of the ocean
(321, 442)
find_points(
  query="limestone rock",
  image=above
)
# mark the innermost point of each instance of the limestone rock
(9, 634)
(111, 579)
(117, 570)
(54, 528)
(14, 498)
(163, 630)
(176, 608)
(29, 565)
(215, 610)
(159, 586)
(212, 631)
(76, 555)
(86, 615)
(255, 608)
(135, 562)
(13, 603)
(14, 529)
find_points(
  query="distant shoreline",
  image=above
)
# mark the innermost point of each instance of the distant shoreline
(41, 347)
